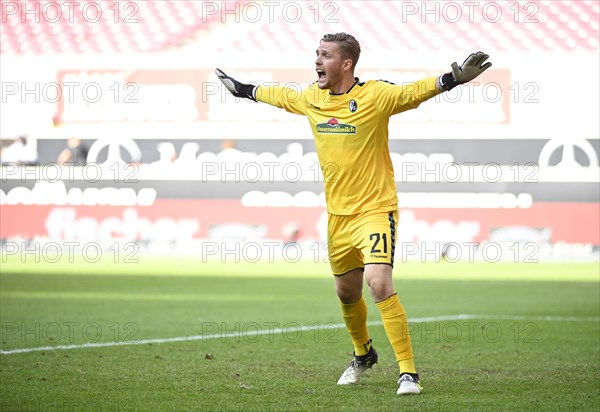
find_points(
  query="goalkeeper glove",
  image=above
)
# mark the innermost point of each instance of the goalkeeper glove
(471, 68)
(236, 88)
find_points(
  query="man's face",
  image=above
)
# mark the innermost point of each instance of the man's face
(330, 65)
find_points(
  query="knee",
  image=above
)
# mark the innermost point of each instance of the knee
(347, 294)
(380, 290)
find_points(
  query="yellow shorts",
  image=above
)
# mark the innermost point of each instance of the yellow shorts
(358, 240)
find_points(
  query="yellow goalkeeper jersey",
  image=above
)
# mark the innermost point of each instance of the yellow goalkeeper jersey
(351, 137)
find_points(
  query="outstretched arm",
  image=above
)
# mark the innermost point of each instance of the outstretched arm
(472, 67)
(247, 91)
(394, 99)
(282, 97)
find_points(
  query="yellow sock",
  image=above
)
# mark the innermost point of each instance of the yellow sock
(395, 324)
(355, 318)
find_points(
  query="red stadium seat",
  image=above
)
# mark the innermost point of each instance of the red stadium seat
(153, 26)
(160, 25)
(523, 26)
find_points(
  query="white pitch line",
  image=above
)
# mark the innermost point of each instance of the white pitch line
(282, 330)
(540, 318)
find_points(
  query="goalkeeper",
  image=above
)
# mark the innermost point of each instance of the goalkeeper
(349, 121)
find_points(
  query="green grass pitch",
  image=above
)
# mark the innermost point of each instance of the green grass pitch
(487, 337)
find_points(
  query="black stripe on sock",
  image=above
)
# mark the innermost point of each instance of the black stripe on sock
(392, 234)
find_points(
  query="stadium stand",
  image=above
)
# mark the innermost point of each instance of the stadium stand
(156, 25)
(160, 25)
(565, 25)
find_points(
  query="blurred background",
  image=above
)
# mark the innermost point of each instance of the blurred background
(114, 128)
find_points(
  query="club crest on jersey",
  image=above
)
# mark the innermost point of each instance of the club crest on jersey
(353, 106)
(333, 126)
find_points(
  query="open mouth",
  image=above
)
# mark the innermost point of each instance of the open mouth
(320, 74)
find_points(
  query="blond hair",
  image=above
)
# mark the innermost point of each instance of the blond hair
(348, 45)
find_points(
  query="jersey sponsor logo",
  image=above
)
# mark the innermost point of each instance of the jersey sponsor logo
(353, 106)
(333, 126)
